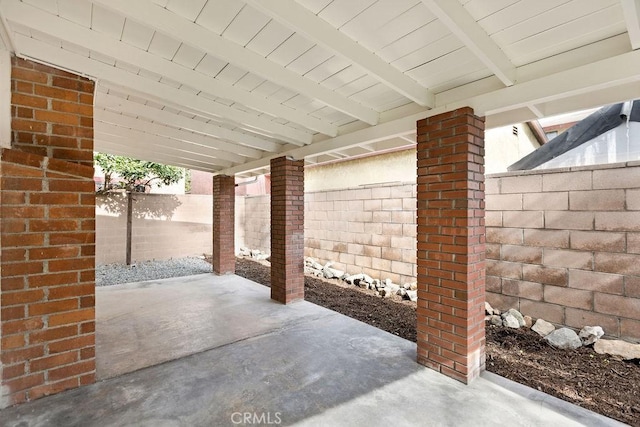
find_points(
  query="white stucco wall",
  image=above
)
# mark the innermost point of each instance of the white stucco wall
(398, 167)
(503, 148)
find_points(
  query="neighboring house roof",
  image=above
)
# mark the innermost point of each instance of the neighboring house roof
(594, 125)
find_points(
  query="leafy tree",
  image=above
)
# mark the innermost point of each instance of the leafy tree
(135, 176)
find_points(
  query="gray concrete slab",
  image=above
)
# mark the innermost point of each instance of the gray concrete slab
(147, 323)
(301, 365)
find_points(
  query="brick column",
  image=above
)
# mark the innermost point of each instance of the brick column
(47, 236)
(287, 230)
(224, 258)
(451, 244)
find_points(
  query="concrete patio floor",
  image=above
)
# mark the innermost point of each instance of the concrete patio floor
(215, 350)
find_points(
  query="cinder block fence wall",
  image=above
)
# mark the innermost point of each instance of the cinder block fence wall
(563, 245)
(370, 230)
(164, 226)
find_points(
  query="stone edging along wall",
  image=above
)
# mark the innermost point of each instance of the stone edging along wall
(563, 245)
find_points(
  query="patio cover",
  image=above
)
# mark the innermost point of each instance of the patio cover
(224, 86)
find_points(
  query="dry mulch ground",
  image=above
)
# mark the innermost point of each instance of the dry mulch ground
(596, 382)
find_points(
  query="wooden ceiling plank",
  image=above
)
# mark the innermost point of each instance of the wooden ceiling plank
(295, 16)
(197, 36)
(453, 15)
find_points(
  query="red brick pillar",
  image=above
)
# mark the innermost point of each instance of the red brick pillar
(47, 236)
(287, 230)
(451, 244)
(224, 196)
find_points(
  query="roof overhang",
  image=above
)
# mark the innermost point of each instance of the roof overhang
(224, 86)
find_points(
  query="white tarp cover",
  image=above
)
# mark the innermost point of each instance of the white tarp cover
(621, 144)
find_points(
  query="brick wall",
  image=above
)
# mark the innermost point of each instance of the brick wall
(223, 248)
(451, 244)
(47, 236)
(52, 113)
(164, 226)
(287, 230)
(564, 245)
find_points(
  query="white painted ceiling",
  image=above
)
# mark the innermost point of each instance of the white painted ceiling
(225, 85)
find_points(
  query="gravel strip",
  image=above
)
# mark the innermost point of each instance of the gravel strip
(114, 274)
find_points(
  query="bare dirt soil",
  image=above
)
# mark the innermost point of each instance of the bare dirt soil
(596, 382)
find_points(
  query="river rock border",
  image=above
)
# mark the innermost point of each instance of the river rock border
(564, 338)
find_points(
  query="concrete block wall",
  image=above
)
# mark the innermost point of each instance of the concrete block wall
(239, 226)
(257, 228)
(370, 230)
(564, 245)
(164, 226)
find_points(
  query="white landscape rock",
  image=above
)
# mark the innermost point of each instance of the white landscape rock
(362, 280)
(392, 288)
(543, 328)
(564, 338)
(331, 273)
(413, 295)
(510, 321)
(619, 348)
(590, 334)
(515, 313)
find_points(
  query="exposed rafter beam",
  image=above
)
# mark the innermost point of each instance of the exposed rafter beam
(295, 16)
(25, 14)
(603, 74)
(610, 73)
(104, 100)
(45, 52)
(535, 110)
(114, 145)
(631, 12)
(409, 140)
(138, 139)
(456, 18)
(369, 135)
(167, 22)
(5, 35)
(199, 142)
